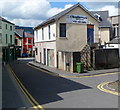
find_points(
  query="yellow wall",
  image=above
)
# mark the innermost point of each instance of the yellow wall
(104, 35)
(76, 33)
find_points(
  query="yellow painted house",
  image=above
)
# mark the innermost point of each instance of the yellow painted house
(60, 39)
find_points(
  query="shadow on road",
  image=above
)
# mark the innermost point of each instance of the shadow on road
(42, 86)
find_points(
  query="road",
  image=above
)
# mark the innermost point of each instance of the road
(57, 92)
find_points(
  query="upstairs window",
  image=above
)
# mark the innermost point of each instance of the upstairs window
(49, 31)
(116, 30)
(62, 30)
(10, 28)
(6, 26)
(42, 33)
(36, 34)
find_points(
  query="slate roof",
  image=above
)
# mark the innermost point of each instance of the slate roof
(3, 19)
(57, 16)
(104, 15)
(28, 35)
(20, 32)
(26, 29)
(114, 41)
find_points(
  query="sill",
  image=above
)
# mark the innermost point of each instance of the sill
(63, 38)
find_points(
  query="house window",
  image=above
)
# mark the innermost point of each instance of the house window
(16, 41)
(49, 31)
(42, 33)
(10, 28)
(36, 34)
(11, 39)
(6, 39)
(36, 51)
(6, 26)
(116, 30)
(29, 41)
(62, 30)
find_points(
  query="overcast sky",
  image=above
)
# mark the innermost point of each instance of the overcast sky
(33, 12)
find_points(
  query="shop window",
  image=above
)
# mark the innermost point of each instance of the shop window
(6, 39)
(11, 39)
(62, 30)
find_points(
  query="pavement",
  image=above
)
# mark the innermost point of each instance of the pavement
(63, 73)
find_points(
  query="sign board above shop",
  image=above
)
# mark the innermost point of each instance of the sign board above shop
(78, 19)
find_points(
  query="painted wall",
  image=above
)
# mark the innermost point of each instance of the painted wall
(8, 32)
(104, 35)
(40, 49)
(76, 33)
(38, 33)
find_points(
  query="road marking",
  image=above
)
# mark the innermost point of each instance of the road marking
(101, 87)
(73, 76)
(31, 100)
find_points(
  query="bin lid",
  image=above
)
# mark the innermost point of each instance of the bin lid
(79, 63)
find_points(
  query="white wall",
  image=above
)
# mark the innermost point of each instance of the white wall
(46, 33)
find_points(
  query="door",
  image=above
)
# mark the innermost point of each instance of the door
(90, 34)
(44, 56)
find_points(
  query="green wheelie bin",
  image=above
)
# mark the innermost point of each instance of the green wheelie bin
(80, 67)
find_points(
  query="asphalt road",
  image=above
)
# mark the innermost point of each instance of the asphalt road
(57, 92)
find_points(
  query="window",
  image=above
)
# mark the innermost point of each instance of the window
(116, 30)
(6, 39)
(6, 26)
(29, 41)
(36, 34)
(49, 31)
(62, 30)
(11, 39)
(42, 33)
(10, 28)
(36, 51)
(16, 41)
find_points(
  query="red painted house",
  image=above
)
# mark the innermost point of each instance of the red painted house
(28, 43)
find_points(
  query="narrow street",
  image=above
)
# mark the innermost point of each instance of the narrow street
(56, 92)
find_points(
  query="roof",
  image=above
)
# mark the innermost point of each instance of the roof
(28, 35)
(59, 15)
(26, 29)
(18, 35)
(104, 15)
(3, 19)
(20, 32)
(114, 41)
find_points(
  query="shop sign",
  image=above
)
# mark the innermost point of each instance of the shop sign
(78, 19)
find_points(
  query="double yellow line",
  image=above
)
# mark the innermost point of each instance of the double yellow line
(101, 87)
(31, 100)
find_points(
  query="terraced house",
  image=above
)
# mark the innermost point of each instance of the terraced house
(60, 40)
(8, 39)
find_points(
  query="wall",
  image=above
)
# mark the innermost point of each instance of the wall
(46, 34)
(8, 32)
(105, 58)
(40, 48)
(104, 35)
(76, 33)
